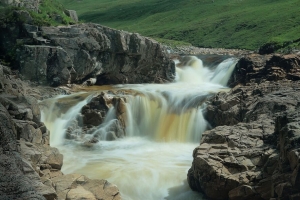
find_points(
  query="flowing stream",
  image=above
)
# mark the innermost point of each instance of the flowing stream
(163, 126)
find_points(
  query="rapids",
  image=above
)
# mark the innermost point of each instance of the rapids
(163, 126)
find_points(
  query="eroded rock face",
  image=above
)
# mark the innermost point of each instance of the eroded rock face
(29, 167)
(258, 68)
(72, 54)
(247, 103)
(252, 152)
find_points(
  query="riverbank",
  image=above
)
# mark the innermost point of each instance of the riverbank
(252, 150)
(30, 167)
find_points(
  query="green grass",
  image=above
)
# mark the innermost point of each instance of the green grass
(244, 24)
(48, 9)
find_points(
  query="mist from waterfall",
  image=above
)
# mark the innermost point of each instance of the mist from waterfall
(164, 123)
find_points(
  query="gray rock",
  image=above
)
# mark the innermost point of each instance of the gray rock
(14, 182)
(29, 4)
(256, 156)
(45, 64)
(64, 54)
(72, 14)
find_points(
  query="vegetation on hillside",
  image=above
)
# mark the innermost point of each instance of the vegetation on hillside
(246, 24)
(51, 13)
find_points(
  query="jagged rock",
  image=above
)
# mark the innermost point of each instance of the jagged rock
(93, 115)
(231, 156)
(95, 111)
(46, 64)
(14, 182)
(257, 68)
(76, 53)
(247, 103)
(41, 155)
(29, 167)
(257, 155)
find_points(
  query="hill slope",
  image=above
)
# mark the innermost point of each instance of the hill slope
(204, 23)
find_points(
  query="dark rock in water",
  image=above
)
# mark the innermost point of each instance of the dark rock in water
(94, 113)
(252, 152)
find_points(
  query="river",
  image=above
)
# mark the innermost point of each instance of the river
(163, 126)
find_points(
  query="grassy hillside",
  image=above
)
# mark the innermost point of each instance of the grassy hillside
(204, 23)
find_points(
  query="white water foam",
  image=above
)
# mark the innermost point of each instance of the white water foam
(164, 125)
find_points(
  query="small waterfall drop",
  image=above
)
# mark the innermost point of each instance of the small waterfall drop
(164, 123)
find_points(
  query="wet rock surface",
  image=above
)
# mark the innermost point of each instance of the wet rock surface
(29, 167)
(90, 126)
(252, 150)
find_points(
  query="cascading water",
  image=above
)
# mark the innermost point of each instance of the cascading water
(164, 123)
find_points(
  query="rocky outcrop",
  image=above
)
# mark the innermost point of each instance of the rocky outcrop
(29, 167)
(258, 68)
(247, 103)
(32, 5)
(72, 54)
(252, 152)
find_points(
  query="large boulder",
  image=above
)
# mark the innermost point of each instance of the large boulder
(46, 64)
(252, 152)
(72, 54)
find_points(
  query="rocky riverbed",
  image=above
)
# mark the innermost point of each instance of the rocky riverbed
(251, 150)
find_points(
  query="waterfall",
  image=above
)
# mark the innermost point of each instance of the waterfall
(163, 125)
(173, 112)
